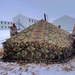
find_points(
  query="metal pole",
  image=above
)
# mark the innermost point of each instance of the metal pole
(45, 17)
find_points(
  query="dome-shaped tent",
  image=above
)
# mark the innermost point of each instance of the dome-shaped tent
(41, 41)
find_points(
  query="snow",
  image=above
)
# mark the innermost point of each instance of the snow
(11, 68)
(4, 34)
(14, 68)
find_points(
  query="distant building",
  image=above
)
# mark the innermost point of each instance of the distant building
(4, 25)
(23, 21)
(66, 22)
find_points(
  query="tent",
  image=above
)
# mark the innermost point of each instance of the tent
(40, 42)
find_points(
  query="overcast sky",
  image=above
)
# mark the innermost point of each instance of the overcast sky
(36, 8)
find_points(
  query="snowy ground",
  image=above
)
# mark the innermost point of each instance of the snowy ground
(4, 34)
(10, 68)
(37, 69)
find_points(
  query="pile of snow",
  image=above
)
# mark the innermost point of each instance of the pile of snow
(7, 68)
(4, 34)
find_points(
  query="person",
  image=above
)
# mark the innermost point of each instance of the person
(59, 26)
(13, 30)
(72, 35)
(73, 29)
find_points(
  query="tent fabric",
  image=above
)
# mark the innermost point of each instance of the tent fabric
(40, 42)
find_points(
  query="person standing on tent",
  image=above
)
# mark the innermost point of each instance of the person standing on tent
(13, 30)
(73, 29)
(72, 35)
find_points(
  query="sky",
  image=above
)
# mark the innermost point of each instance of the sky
(36, 8)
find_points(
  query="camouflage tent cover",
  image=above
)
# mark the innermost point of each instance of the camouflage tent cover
(40, 42)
